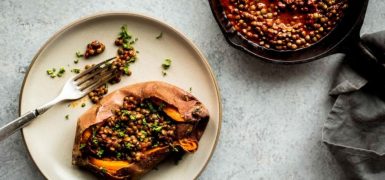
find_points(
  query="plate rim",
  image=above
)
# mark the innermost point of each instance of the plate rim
(124, 13)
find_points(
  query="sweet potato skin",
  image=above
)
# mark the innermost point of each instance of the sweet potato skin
(192, 120)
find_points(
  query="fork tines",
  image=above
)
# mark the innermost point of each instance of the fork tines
(94, 76)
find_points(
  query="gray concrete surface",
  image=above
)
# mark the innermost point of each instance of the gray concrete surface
(272, 114)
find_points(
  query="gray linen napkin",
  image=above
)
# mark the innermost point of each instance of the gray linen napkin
(355, 128)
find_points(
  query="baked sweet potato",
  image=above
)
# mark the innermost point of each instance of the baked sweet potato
(134, 128)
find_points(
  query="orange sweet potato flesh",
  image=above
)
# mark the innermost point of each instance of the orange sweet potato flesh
(173, 113)
(189, 114)
(189, 144)
(110, 166)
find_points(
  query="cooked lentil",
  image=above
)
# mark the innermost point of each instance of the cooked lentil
(137, 126)
(126, 55)
(94, 48)
(284, 24)
(97, 94)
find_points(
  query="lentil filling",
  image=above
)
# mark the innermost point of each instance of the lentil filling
(284, 24)
(138, 126)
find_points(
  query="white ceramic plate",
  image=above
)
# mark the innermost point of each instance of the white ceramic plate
(50, 137)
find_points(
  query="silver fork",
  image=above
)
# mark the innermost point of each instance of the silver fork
(75, 88)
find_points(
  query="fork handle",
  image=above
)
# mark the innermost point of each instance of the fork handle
(16, 124)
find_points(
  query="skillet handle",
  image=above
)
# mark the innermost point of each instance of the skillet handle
(373, 47)
(367, 57)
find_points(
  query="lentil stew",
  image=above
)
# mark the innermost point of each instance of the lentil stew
(284, 24)
(134, 128)
(342, 39)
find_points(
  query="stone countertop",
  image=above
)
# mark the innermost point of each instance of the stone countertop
(272, 114)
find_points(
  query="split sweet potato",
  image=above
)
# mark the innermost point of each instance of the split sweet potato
(188, 115)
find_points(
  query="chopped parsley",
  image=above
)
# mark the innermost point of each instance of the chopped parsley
(129, 145)
(51, 72)
(161, 106)
(143, 133)
(157, 128)
(79, 54)
(61, 72)
(132, 117)
(82, 146)
(126, 37)
(76, 70)
(118, 155)
(125, 112)
(144, 122)
(166, 64)
(100, 153)
(121, 134)
(159, 36)
(95, 141)
(103, 170)
(126, 70)
(151, 107)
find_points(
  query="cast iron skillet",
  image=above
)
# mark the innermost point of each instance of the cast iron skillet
(344, 38)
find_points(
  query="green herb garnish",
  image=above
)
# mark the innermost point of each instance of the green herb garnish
(166, 64)
(118, 155)
(157, 128)
(164, 73)
(100, 153)
(126, 70)
(82, 146)
(66, 117)
(124, 33)
(125, 112)
(129, 145)
(77, 71)
(143, 133)
(61, 72)
(83, 105)
(95, 141)
(151, 107)
(161, 106)
(51, 72)
(126, 37)
(160, 35)
(132, 117)
(132, 59)
(104, 171)
(120, 133)
(79, 54)
(76, 61)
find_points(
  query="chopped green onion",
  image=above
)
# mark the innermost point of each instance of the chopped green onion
(67, 116)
